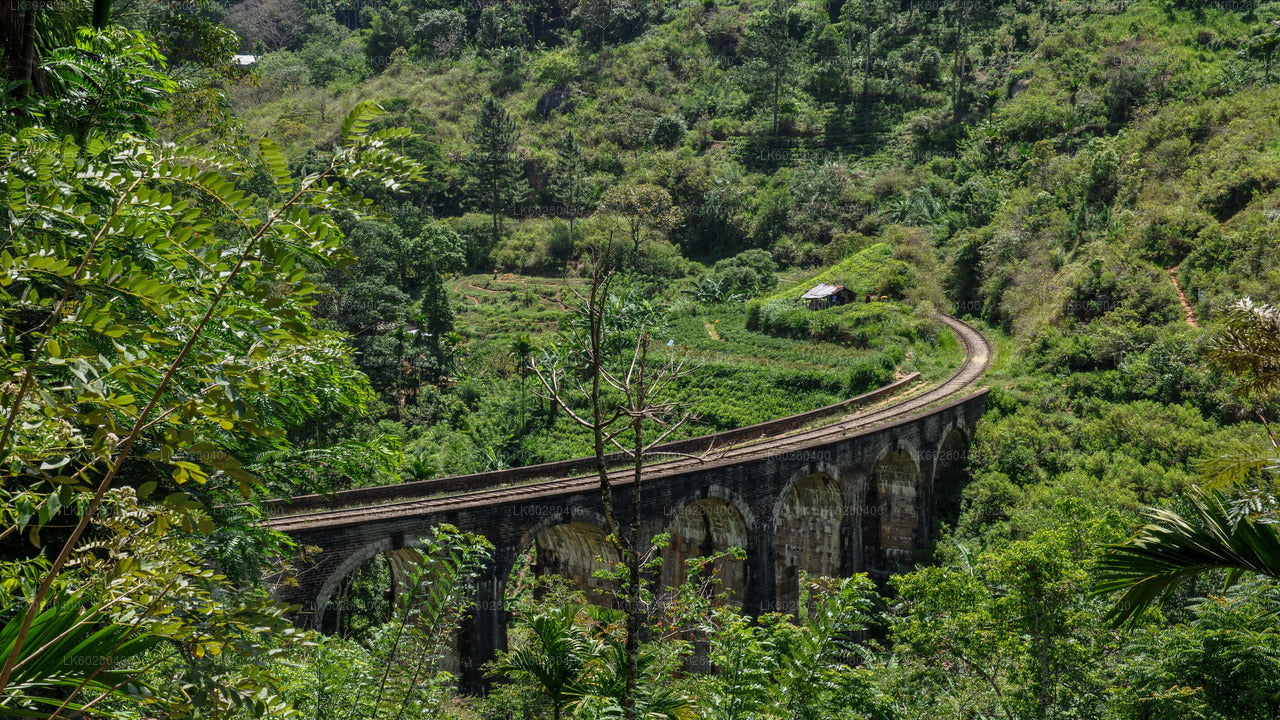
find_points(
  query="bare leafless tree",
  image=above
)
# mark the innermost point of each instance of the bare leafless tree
(275, 23)
(628, 391)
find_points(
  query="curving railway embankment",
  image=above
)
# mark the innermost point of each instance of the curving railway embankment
(354, 507)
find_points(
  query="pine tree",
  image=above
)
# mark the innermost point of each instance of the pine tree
(865, 16)
(497, 179)
(568, 178)
(772, 56)
(960, 62)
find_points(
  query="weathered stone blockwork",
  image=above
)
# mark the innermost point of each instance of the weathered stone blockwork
(862, 503)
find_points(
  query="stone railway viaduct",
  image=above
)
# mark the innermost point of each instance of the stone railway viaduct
(858, 495)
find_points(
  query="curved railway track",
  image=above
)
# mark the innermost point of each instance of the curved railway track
(978, 353)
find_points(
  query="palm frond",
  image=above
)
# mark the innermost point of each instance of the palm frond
(557, 656)
(1249, 346)
(1238, 462)
(1172, 549)
(72, 655)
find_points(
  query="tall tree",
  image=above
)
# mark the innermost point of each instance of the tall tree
(597, 20)
(1263, 46)
(444, 254)
(156, 307)
(960, 61)
(773, 54)
(568, 178)
(497, 178)
(435, 323)
(520, 350)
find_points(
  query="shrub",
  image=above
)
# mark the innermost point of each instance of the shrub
(1230, 192)
(285, 68)
(555, 67)
(734, 279)
(724, 33)
(734, 284)
(779, 318)
(499, 27)
(1171, 234)
(1128, 85)
(842, 246)
(520, 252)
(929, 70)
(894, 280)
(668, 131)
(1034, 116)
(869, 374)
(660, 258)
(1103, 178)
(977, 200)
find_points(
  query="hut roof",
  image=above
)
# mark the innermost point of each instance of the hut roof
(821, 290)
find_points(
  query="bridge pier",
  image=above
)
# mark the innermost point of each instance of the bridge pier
(483, 633)
(761, 586)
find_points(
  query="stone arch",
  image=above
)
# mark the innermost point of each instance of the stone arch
(706, 526)
(950, 474)
(568, 515)
(403, 563)
(402, 551)
(349, 565)
(402, 555)
(892, 511)
(576, 550)
(807, 529)
(809, 468)
(953, 449)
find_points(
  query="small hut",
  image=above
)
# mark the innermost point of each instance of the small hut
(823, 295)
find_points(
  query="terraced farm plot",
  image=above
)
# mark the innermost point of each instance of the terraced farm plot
(742, 377)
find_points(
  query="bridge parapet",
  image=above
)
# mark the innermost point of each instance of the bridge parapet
(564, 468)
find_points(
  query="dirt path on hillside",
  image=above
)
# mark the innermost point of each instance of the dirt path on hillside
(522, 285)
(472, 286)
(457, 287)
(1182, 297)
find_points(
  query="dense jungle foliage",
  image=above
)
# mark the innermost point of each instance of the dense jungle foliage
(269, 248)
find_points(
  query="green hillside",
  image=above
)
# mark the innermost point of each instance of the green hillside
(266, 248)
(873, 271)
